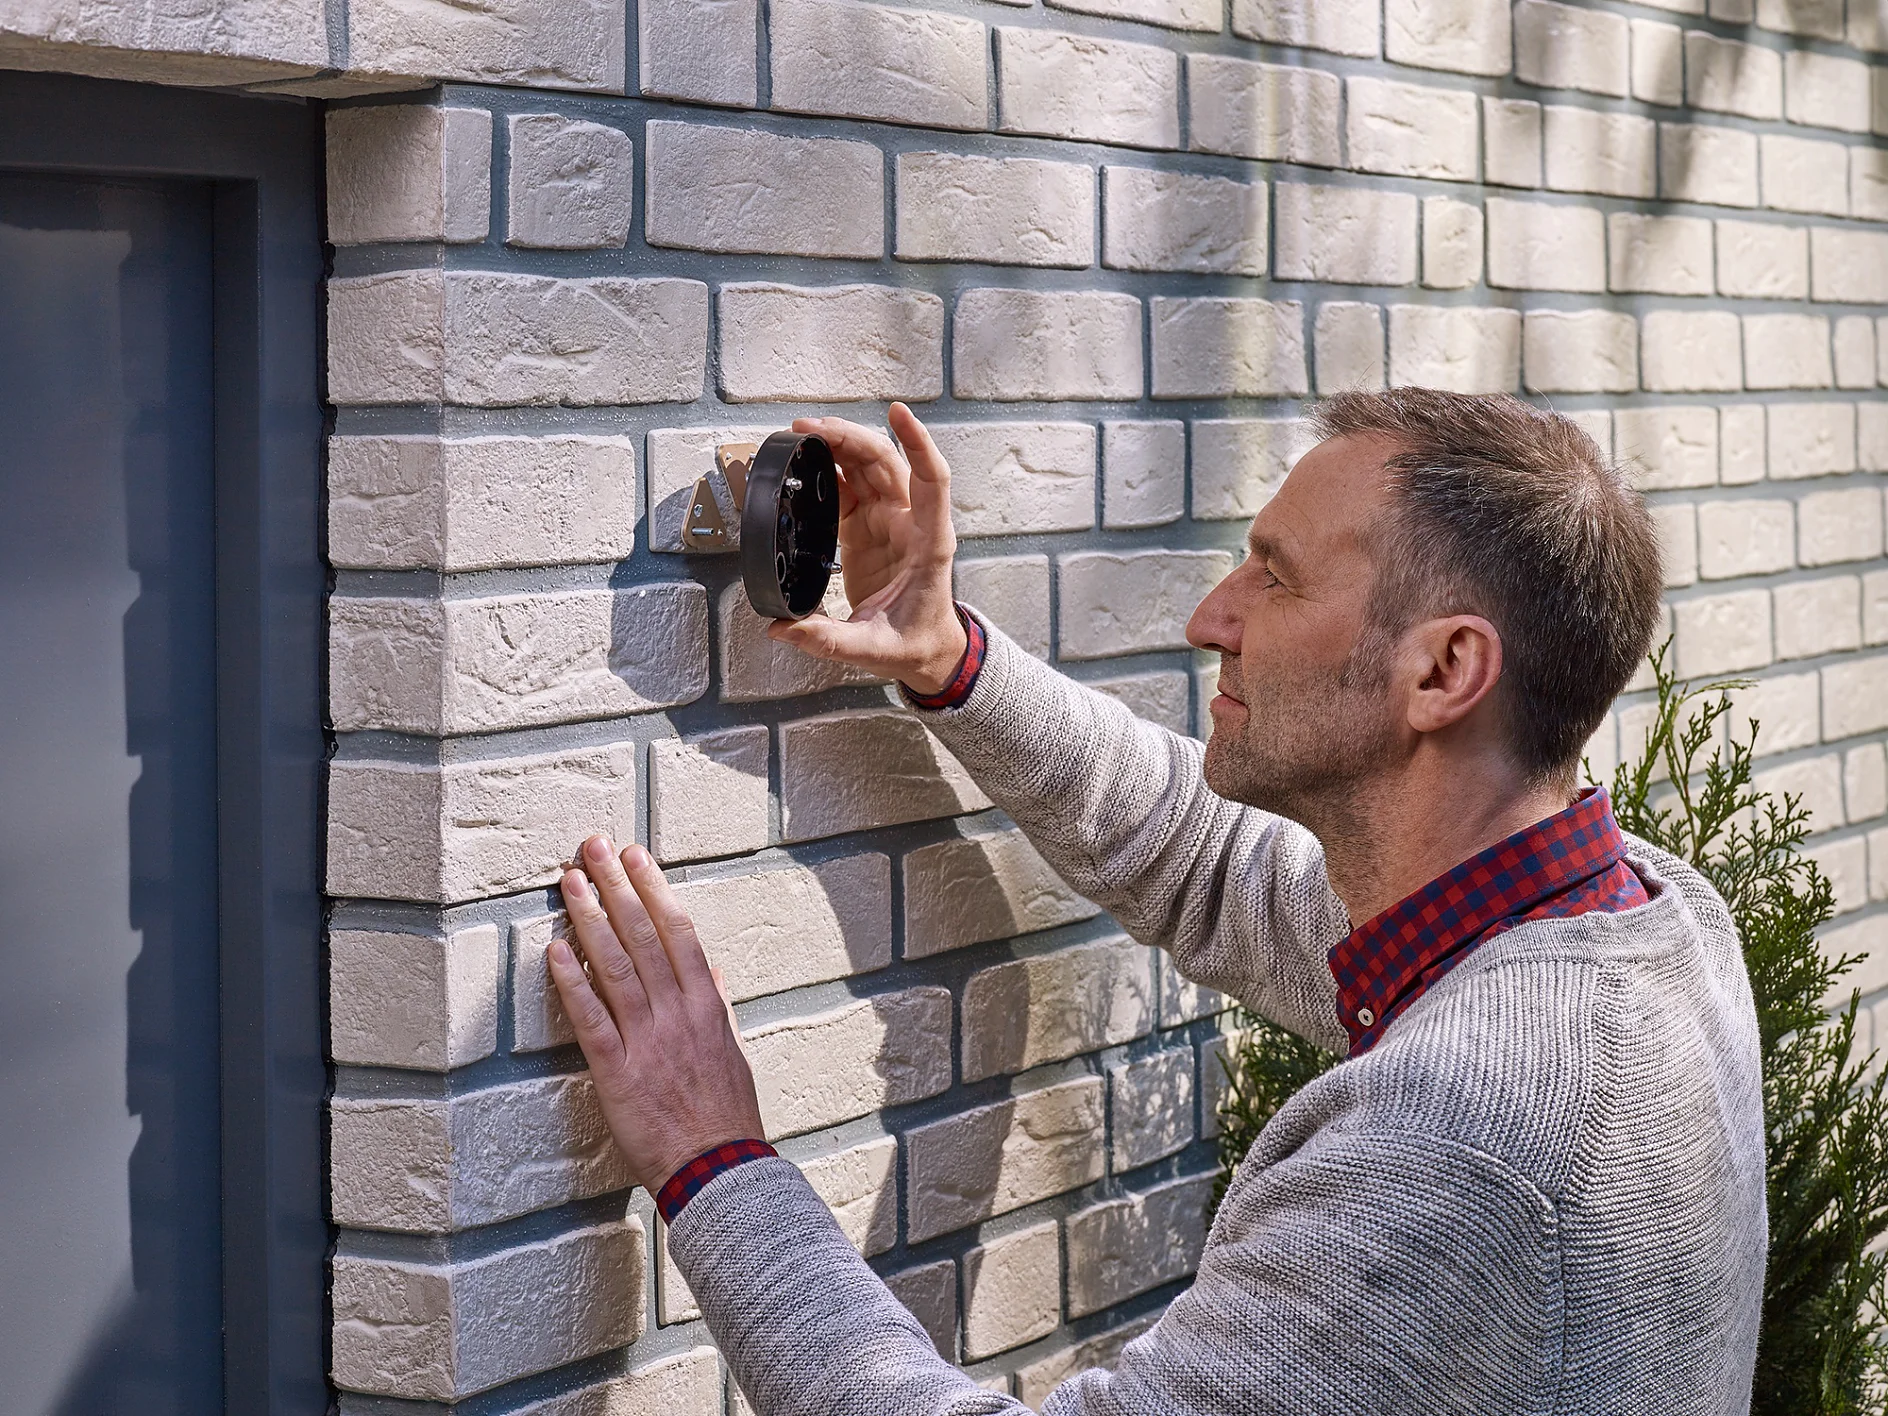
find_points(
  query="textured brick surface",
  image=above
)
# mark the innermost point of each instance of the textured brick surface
(1180, 222)
(1016, 477)
(1012, 1290)
(413, 1000)
(570, 185)
(878, 61)
(829, 342)
(1050, 1006)
(1268, 111)
(1122, 604)
(1122, 1247)
(406, 172)
(1075, 86)
(1012, 592)
(856, 771)
(1357, 235)
(985, 885)
(1026, 344)
(1227, 347)
(822, 1068)
(735, 189)
(990, 1160)
(1002, 210)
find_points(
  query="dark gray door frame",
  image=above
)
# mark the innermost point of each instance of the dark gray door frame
(263, 157)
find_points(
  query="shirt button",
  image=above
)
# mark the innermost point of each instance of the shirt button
(1366, 1017)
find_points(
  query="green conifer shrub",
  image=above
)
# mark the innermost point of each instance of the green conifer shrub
(1823, 1346)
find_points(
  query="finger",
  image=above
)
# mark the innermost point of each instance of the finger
(597, 1032)
(630, 920)
(930, 481)
(867, 455)
(610, 967)
(674, 928)
(870, 643)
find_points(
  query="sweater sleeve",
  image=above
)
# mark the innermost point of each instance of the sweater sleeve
(1121, 809)
(1389, 1275)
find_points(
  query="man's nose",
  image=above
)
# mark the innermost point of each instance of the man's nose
(1215, 625)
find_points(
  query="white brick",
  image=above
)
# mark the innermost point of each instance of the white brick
(1545, 246)
(1729, 76)
(1336, 26)
(1667, 447)
(1664, 255)
(775, 929)
(1868, 25)
(1152, 1103)
(822, 1068)
(1822, 18)
(983, 885)
(1871, 441)
(1840, 526)
(993, 1159)
(1012, 592)
(708, 794)
(1158, 697)
(1875, 607)
(1460, 348)
(206, 44)
(1741, 441)
(1048, 344)
(1811, 439)
(1173, 14)
(1184, 1001)
(1822, 91)
(1785, 712)
(862, 770)
(443, 667)
(1762, 260)
(570, 185)
(1562, 46)
(413, 1000)
(1580, 351)
(538, 1020)
(1677, 526)
(879, 61)
(493, 341)
(1094, 90)
(739, 189)
(701, 50)
(1855, 352)
(409, 172)
(1238, 463)
(685, 1384)
(1658, 63)
(456, 504)
(1228, 347)
(1818, 617)
(1845, 863)
(1410, 130)
(1750, 537)
(1868, 182)
(435, 1166)
(468, 830)
(1723, 633)
(1143, 473)
(860, 1187)
(1597, 424)
(1468, 36)
(430, 1331)
(1012, 1290)
(1865, 782)
(1181, 222)
(829, 343)
(754, 667)
(929, 1293)
(1352, 235)
(1610, 153)
(678, 458)
(1347, 338)
(1025, 1012)
(1707, 163)
(1452, 243)
(1878, 77)
(1273, 112)
(1512, 142)
(1036, 1381)
(1122, 1247)
(1009, 478)
(999, 210)
(1805, 174)
(1684, 351)
(1133, 602)
(1850, 266)
(531, 43)
(1866, 937)
(1817, 783)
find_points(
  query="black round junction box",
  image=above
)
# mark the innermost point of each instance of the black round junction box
(790, 526)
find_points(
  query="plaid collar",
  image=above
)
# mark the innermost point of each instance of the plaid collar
(1387, 963)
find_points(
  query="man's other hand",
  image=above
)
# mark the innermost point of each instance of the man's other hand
(895, 544)
(653, 1019)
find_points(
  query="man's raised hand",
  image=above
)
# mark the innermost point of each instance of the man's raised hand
(895, 544)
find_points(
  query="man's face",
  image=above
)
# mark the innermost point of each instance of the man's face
(1303, 710)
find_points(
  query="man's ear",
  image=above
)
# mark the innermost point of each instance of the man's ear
(1459, 663)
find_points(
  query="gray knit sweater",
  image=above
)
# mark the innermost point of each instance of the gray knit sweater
(1541, 1192)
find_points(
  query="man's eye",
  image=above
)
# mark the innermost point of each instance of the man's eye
(1270, 579)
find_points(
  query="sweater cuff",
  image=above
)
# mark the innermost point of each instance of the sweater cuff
(964, 680)
(686, 1183)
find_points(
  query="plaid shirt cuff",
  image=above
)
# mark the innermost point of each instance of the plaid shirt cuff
(686, 1183)
(965, 679)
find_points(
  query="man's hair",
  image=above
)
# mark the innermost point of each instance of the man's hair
(1505, 511)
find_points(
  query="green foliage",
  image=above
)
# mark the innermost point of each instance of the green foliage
(1821, 1349)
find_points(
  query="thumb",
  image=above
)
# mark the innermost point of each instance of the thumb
(870, 644)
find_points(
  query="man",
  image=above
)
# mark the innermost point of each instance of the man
(1535, 1185)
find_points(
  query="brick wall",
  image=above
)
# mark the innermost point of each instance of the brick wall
(1109, 246)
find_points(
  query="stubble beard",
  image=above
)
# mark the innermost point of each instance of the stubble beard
(1309, 743)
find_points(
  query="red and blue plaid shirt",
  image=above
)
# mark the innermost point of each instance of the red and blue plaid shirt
(1569, 864)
